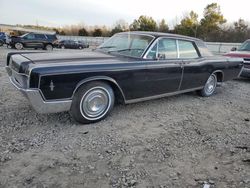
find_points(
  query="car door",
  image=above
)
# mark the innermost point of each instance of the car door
(164, 71)
(195, 71)
(39, 40)
(29, 40)
(71, 44)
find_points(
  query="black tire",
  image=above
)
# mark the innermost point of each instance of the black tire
(210, 86)
(18, 46)
(81, 104)
(48, 47)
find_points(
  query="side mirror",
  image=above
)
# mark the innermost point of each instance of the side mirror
(233, 49)
(161, 56)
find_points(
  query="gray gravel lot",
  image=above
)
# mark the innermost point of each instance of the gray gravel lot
(179, 141)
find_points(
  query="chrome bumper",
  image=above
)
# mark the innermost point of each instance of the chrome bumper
(245, 73)
(35, 98)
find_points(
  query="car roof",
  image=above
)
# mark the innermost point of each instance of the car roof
(160, 34)
(40, 33)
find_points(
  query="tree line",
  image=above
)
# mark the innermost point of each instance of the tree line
(211, 27)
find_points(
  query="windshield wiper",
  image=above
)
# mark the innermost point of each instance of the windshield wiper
(104, 47)
(244, 49)
(126, 49)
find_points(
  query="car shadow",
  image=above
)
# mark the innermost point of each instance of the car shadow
(241, 79)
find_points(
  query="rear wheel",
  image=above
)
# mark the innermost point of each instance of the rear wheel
(1, 43)
(19, 46)
(209, 87)
(48, 47)
(92, 102)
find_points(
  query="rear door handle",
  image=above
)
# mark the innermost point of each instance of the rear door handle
(179, 63)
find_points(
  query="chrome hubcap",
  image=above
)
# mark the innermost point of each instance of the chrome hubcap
(210, 85)
(95, 103)
(19, 46)
(49, 47)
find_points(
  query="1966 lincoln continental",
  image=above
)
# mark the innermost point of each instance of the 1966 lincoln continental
(129, 67)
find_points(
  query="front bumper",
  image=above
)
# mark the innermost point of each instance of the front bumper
(36, 100)
(245, 73)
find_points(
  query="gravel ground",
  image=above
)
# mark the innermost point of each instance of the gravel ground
(179, 141)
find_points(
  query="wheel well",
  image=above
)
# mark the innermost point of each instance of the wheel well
(119, 97)
(219, 76)
(48, 44)
(117, 91)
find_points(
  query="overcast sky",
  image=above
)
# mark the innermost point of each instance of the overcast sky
(107, 12)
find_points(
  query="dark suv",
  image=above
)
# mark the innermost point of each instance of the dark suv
(34, 40)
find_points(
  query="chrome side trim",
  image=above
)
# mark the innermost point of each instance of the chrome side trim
(166, 37)
(161, 95)
(37, 102)
(182, 74)
(178, 49)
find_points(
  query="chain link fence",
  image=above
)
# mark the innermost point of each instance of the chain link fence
(215, 47)
(221, 48)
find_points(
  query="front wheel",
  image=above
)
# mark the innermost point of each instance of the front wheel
(92, 102)
(209, 87)
(19, 46)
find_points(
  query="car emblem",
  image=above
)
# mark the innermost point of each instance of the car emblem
(51, 86)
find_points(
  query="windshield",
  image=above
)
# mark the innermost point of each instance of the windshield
(245, 46)
(24, 35)
(127, 44)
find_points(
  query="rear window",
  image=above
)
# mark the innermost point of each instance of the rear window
(51, 37)
(187, 49)
(203, 49)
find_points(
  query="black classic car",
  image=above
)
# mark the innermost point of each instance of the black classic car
(33, 40)
(129, 67)
(71, 44)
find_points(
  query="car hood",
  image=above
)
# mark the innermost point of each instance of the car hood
(68, 57)
(241, 54)
(27, 61)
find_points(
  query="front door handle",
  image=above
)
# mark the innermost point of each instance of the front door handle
(187, 62)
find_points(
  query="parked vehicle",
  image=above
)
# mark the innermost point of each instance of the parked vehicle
(84, 44)
(129, 67)
(33, 40)
(243, 52)
(3, 38)
(71, 44)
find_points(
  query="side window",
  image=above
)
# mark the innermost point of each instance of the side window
(164, 49)
(187, 49)
(40, 36)
(167, 49)
(30, 36)
(51, 37)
